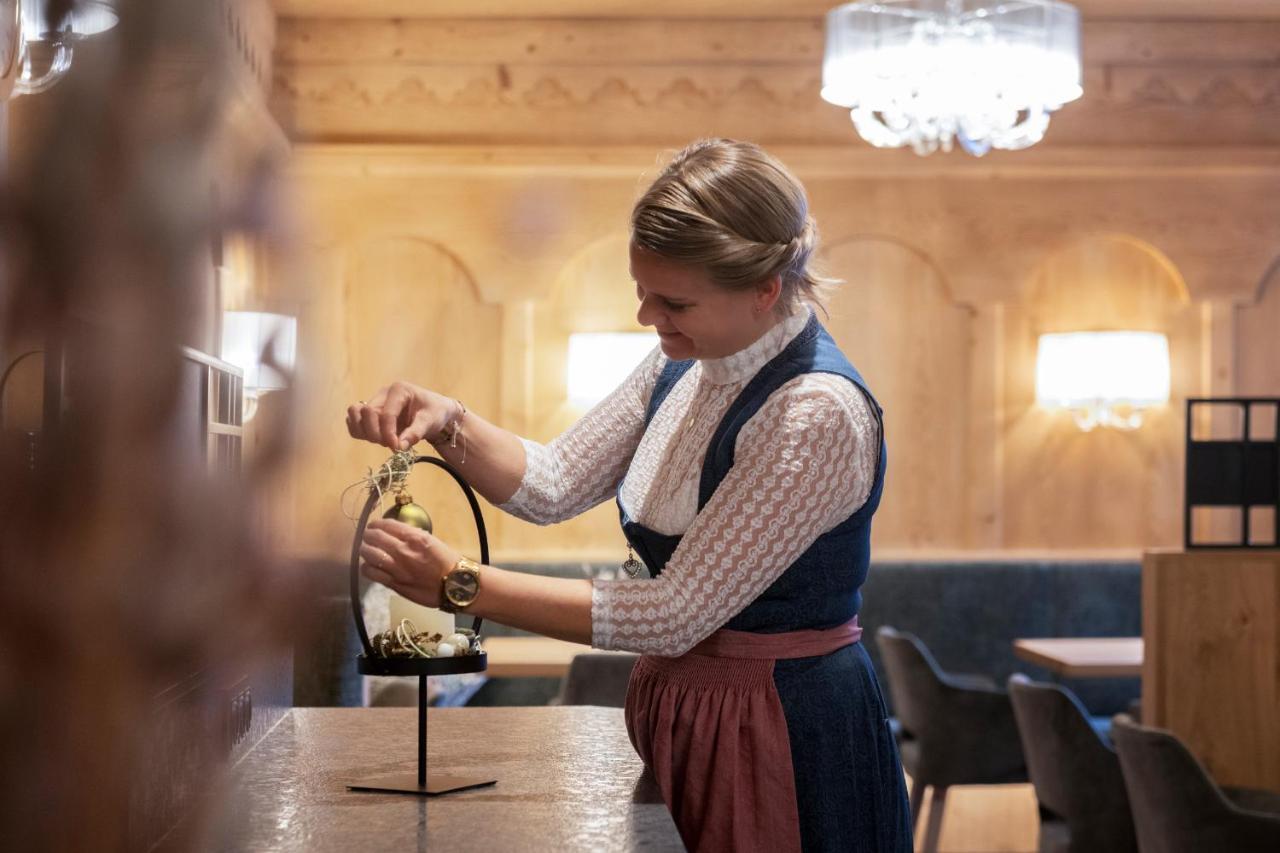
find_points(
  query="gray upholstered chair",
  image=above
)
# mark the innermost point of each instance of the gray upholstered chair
(1177, 807)
(1077, 776)
(954, 729)
(597, 678)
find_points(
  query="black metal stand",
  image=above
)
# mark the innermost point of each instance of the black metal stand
(424, 783)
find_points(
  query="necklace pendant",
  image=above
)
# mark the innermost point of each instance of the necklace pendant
(632, 566)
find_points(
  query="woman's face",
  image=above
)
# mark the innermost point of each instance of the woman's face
(693, 316)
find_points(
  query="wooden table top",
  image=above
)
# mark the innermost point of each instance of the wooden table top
(531, 656)
(567, 779)
(1084, 657)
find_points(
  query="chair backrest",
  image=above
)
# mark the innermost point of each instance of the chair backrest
(1076, 774)
(597, 678)
(1177, 806)
(914, 676)
(915, 679)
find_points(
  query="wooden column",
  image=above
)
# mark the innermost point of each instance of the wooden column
(1211, 674)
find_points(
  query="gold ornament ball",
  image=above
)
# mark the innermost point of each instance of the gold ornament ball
(409, 512)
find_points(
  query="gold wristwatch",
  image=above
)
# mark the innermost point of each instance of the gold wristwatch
(460, 586)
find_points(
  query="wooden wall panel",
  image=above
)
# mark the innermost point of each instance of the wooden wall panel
(1257, 352)
(382, 309)
(530, 244)
(895, 319)
(1105, 488)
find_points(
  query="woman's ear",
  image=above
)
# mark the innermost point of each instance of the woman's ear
(767, 294)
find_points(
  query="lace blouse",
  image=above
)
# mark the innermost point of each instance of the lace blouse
(804, 463)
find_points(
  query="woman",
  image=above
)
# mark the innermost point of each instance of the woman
(747, 459)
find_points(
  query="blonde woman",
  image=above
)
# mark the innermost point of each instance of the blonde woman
(746, 457)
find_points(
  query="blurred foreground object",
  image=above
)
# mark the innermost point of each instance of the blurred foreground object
(135, 597)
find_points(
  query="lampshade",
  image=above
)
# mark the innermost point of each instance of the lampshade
(926, 72)
(600, 361)
(246, 335)
(89, 18)
(1097, 372)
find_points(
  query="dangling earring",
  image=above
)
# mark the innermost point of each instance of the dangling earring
(632, 566)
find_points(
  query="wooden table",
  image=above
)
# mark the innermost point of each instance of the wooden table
(568, 780)
(1084, 657)
(531, 656)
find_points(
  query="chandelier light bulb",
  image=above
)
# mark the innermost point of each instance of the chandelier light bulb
(930, 73)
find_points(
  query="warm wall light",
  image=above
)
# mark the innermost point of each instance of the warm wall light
(1103, 378)
(248, 337)
(600, 361)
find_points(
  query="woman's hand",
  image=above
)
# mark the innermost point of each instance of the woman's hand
(406, 559)
(400, 415)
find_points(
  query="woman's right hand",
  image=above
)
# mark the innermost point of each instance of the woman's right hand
(399, 416)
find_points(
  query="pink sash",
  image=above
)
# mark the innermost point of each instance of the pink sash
(709, 725)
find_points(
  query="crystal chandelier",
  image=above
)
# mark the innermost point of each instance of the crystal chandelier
(36, 31)
(926, 73)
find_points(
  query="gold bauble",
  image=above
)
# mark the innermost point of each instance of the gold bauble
(409, 512)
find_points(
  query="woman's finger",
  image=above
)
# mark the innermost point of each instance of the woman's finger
(393, 409)
(378, 576)
(385, 541)
(379, 559)
(416, 431)
(353, 419)
(369, 424)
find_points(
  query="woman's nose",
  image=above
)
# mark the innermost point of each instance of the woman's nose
(647, 314)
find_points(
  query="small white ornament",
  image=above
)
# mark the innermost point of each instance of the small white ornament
(460, 642)
(444, 650)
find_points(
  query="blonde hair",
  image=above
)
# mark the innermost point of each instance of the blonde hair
(732, 209)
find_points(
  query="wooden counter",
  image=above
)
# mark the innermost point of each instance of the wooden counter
(568, 780)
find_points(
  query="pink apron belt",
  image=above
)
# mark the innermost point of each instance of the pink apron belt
(709, 725)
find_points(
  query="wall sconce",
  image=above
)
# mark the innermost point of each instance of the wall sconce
(87, 18)
(600, 361)
(264, 346)
(1103, 378)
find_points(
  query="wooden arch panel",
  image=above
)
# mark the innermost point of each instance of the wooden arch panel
(1124, 488)
(385, 309)
(895, 320)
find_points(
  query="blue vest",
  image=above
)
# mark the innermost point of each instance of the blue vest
(821, 588)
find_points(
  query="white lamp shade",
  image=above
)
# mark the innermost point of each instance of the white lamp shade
(246, 335)
(600, 361)
(1081, 369)
(89, 18)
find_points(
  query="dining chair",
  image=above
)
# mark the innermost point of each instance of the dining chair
(953, 729)
(1178, 808)
(1076, 773)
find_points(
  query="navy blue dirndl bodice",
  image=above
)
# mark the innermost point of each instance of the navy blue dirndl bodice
(821, 588)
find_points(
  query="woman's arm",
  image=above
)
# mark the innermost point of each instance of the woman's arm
(807, 460)
(539, 483)
(583, 466)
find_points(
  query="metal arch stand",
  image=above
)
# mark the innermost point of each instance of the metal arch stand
(423, 783)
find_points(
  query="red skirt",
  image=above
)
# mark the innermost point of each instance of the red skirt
(709, 725)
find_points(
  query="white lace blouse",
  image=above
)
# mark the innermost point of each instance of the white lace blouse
(803, 463)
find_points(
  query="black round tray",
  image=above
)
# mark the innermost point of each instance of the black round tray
(372, 664)
(422, 666)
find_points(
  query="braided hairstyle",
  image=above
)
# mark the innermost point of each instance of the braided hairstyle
(732, 209)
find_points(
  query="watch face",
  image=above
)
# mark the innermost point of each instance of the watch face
(461, 586)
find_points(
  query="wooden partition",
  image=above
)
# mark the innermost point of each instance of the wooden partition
(1211, 672)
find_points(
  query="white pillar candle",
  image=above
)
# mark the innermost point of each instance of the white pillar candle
(427, 619)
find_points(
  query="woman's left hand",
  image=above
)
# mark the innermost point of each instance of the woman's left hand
(406, 559)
